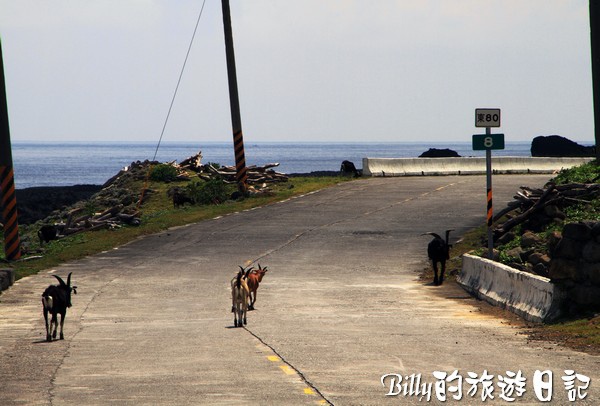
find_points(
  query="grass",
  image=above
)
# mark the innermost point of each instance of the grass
(158, 214)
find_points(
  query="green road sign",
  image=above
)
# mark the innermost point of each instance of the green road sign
(488, 141)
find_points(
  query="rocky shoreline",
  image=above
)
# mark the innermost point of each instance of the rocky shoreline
(36, 203)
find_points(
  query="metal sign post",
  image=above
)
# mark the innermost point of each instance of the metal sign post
(8, 199)
(488, 118)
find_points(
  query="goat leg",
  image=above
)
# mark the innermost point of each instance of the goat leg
(435, 273)
(62, 322)
(54, 322)
(442, 272)
(48, 328)
(254, 299)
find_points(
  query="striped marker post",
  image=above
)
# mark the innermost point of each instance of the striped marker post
(490, 206)
(236, 120)
(12, 243)
(8, 200)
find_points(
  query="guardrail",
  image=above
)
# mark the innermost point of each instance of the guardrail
(466, 165)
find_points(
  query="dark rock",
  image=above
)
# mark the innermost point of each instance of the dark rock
(439, 153)
(568, 249)
(554, 212)
(538, 258)
(577, 231)
(592, 272)
(348, 169)
(591, 251)
(563, 269)
(541, 270)
(596, 230)
(506, 238)
(530, 239)
(553, 240)
(514, 252)
(586, 295)
(37, 203)
(557, 146)
(7, 278)
(519, 267)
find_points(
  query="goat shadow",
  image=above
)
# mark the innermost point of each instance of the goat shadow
(43, 341)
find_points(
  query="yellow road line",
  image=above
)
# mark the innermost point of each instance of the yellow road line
(287, 370)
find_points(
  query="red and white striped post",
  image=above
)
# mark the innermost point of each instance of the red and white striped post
(8, 200)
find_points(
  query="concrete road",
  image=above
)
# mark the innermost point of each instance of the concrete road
(339, 308)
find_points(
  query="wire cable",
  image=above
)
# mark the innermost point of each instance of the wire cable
(179, 81)
(171, 105)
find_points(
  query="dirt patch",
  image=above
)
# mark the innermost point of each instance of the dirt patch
(536, 332)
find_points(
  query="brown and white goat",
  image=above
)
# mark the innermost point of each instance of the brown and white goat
(253, 280)
(239, 298)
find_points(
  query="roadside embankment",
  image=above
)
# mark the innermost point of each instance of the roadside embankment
(530, 296)
(465, 165)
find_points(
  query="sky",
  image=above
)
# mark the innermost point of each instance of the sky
(308, 70)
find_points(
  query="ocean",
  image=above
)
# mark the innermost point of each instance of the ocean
(66, 164)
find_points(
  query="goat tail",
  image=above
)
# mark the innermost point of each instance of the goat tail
(238, 283)
(47, 302)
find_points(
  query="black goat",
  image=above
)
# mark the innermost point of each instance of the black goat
(56, 300)
(180, 199)
(47, 233)
(438, 250)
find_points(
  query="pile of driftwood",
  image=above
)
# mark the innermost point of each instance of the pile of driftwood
(256, 174)
(193, 166)
(539, 207)
(110, 218)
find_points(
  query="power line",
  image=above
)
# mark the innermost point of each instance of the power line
(179, 81)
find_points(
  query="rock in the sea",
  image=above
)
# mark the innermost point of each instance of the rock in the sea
(439, 153)
(557, 146)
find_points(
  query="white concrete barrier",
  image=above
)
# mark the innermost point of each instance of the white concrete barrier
(530, 296)
(465, 166)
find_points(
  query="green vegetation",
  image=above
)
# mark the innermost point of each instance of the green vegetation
(588, 173)
(163, 173)
(213, 191)
(157, 214)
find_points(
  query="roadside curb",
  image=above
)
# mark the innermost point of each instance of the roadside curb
(530, 296)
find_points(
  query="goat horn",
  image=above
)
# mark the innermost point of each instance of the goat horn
(432, 234)
(62, 283)
(69, 279)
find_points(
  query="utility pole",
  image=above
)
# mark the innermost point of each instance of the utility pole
(8, 200)
(236, 119)
(595, 45)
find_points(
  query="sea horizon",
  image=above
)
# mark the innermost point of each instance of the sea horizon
(67, 163)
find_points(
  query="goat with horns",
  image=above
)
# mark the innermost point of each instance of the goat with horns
(56, 300)
(438, 250)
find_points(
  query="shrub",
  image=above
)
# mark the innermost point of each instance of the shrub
(163, 173)
(213, 191)
(585, 173)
